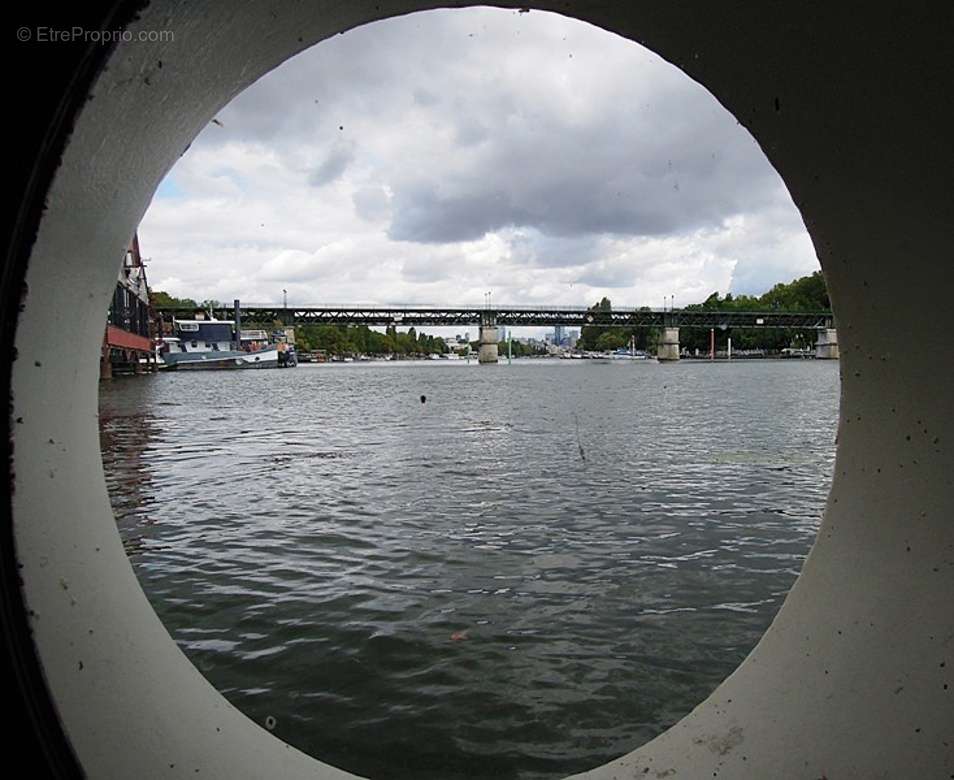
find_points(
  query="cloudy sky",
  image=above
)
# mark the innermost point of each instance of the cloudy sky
(434, 157)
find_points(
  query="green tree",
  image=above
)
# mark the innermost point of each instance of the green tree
(611, 340)
(590, 334)
(807, 293)
(159, 298)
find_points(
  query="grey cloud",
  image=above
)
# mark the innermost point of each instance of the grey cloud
(424, 97)
(471, 133)
(371, 203)
(535, 249)
(634, 148)
(423, 214)
(642, 178)
(334, 164)
(608, 275)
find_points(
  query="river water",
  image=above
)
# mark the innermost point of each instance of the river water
(439, 570)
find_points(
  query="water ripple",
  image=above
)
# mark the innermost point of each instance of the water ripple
(536, 571)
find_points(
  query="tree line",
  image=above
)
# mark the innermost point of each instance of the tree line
(361, 340)
(807, 293)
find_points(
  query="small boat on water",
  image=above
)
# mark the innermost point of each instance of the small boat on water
(627, 355)
(630, 352)
(214, 344)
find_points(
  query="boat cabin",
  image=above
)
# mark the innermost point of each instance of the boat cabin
(254, 340)
(202, 336)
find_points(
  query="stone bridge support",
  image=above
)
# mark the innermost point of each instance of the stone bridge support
(668, 348)
(826, 348)
(487, 352)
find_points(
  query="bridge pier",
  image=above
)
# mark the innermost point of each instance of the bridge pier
(826, 348)
(668, 348)
(487, 352)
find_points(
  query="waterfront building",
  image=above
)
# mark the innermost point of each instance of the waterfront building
(128, 338)
(457, 345)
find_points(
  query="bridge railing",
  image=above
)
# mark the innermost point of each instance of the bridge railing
(421, 307)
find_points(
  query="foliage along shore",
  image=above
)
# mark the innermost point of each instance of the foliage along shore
(807, 293)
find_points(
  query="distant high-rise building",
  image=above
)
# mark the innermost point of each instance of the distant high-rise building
(559, 333)
(501, 333)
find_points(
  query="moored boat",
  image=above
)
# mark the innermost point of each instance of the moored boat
(207, 344)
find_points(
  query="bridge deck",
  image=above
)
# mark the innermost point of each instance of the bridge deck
(514, 316)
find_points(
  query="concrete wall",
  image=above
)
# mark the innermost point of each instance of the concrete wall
(852, 106)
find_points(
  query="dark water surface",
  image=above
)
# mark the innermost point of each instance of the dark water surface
(538, 569)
